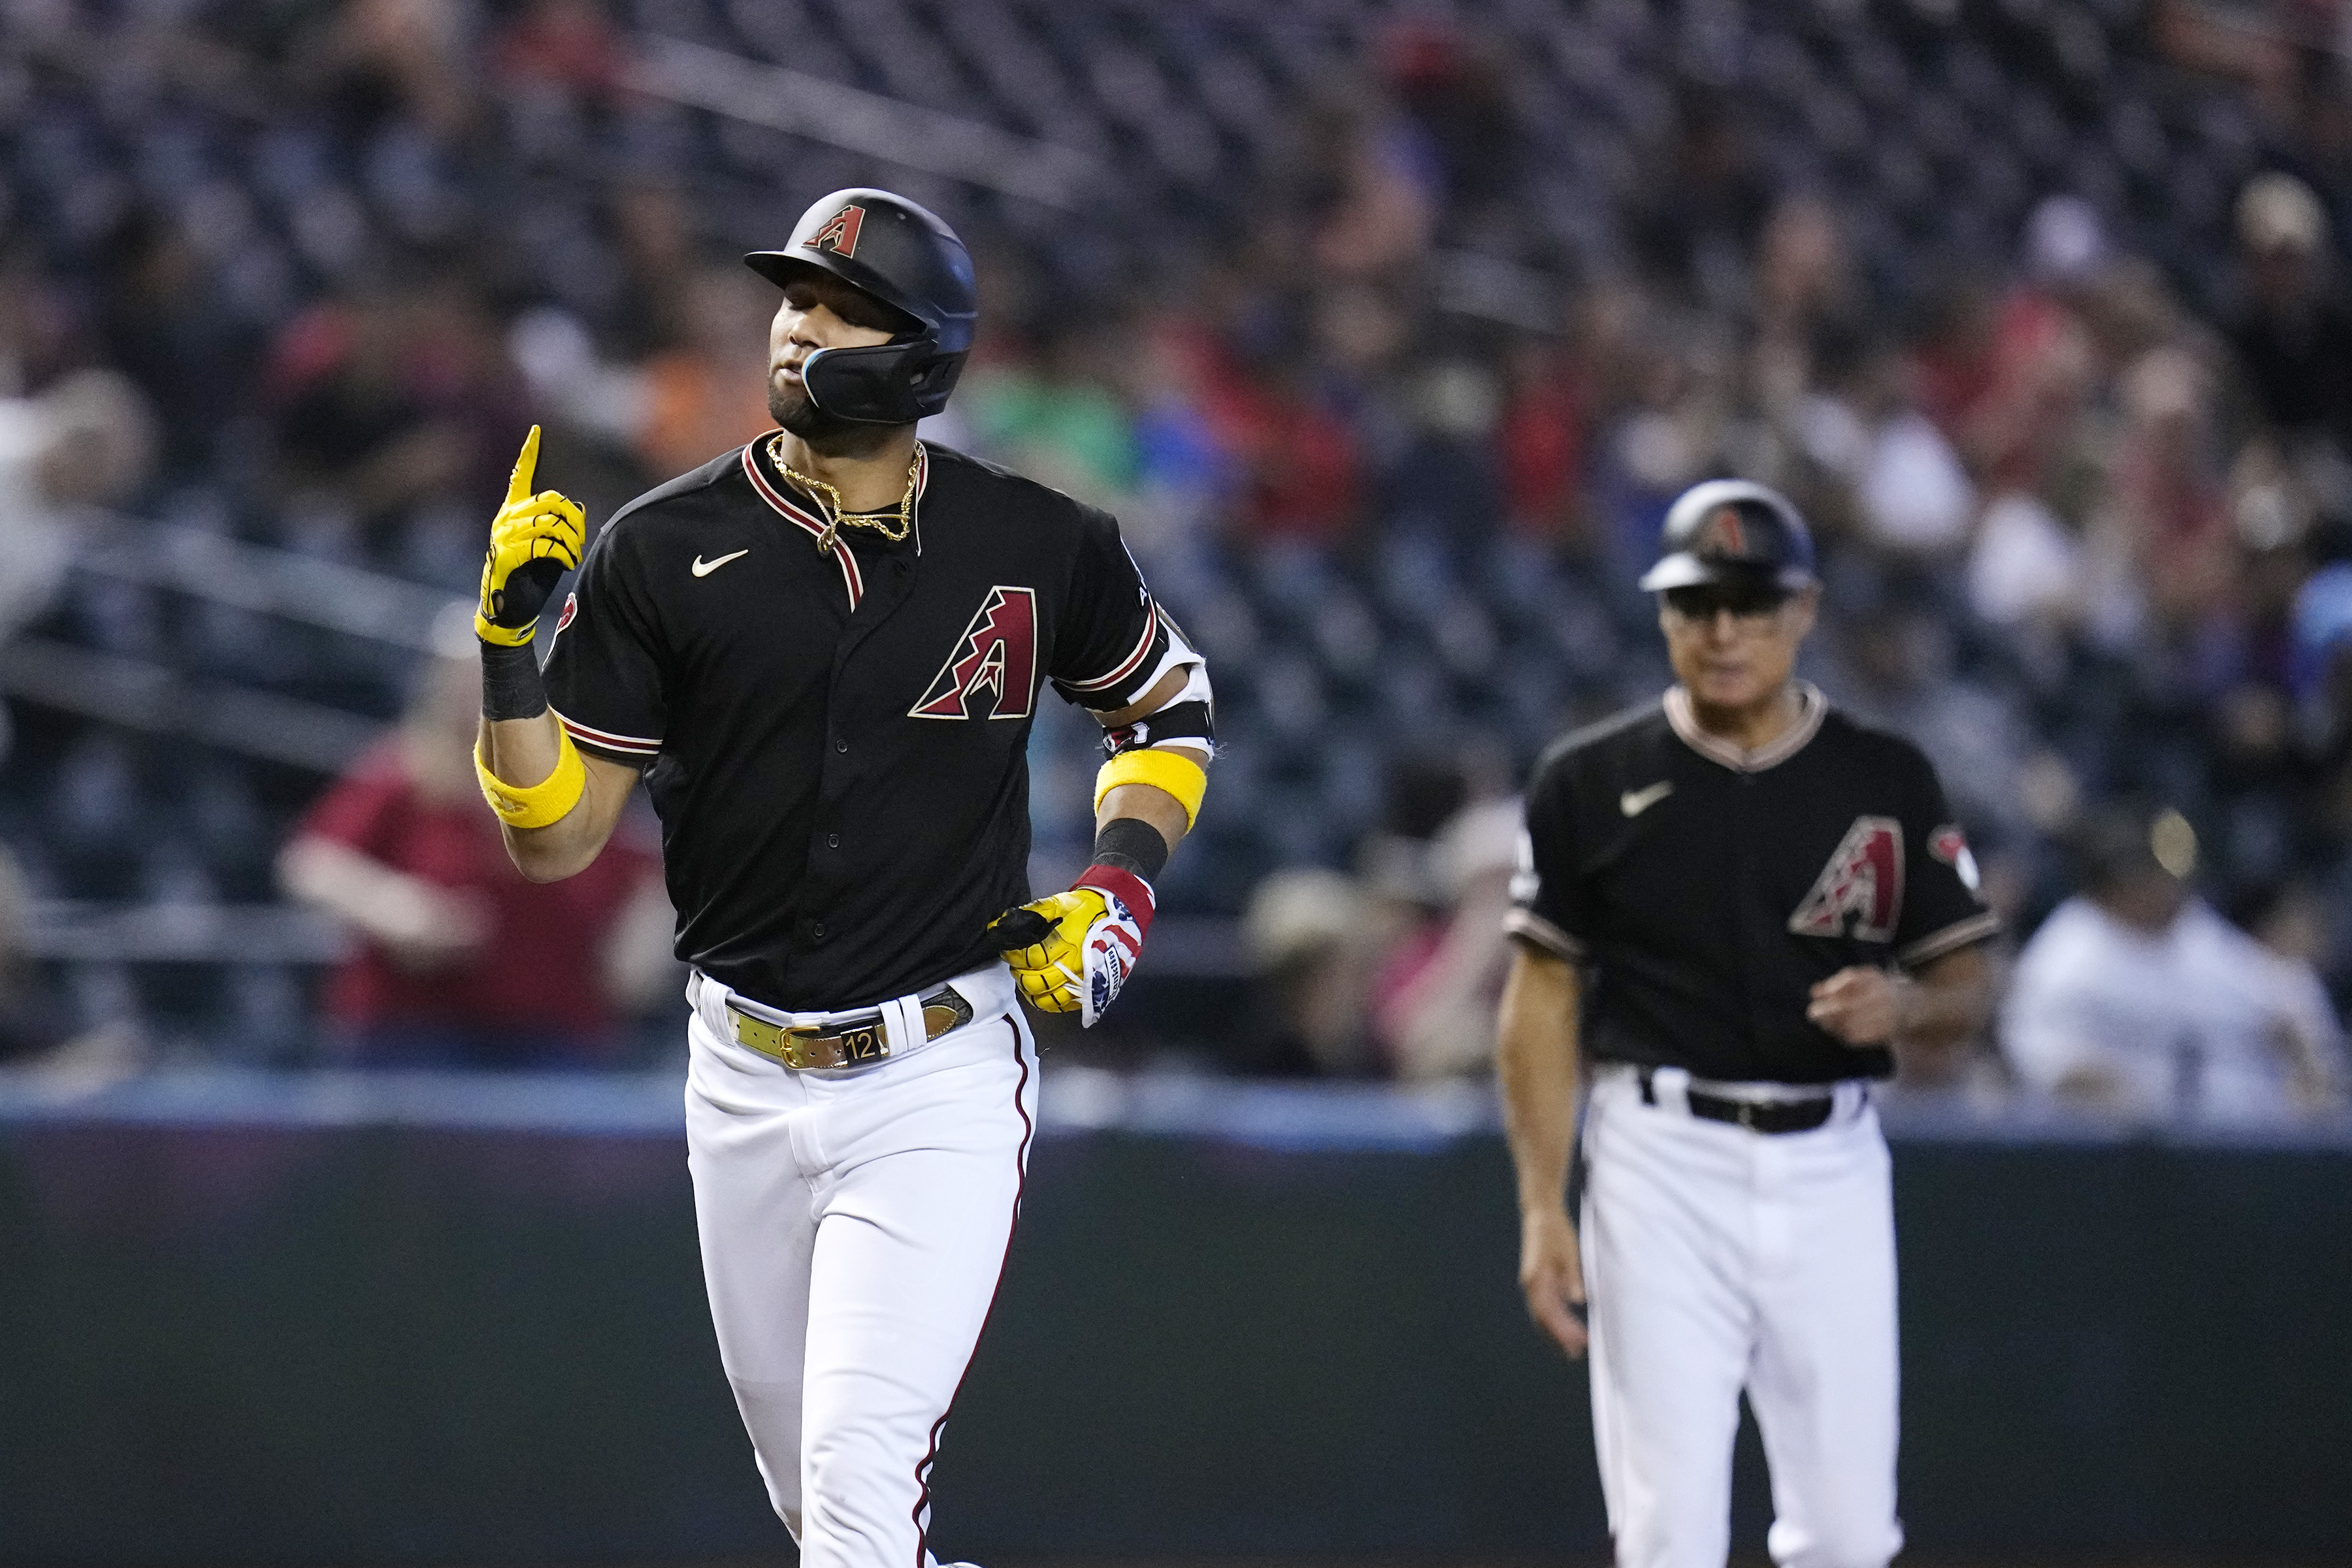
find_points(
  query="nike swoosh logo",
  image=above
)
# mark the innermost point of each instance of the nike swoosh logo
(1635, 801)
(704, 568)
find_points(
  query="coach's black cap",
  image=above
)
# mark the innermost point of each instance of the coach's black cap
(908, 258)
(1729, 531)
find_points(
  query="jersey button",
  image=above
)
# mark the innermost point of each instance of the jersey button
(841, 745)
(833, 841)
(816, 931)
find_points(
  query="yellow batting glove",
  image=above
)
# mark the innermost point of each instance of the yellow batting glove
(1071, 953)
(1051, 969)
(534, 540)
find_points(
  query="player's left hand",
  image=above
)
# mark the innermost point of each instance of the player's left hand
(1862, 1006)
(1071, 953)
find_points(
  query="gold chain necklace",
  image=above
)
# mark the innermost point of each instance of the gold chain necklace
(828, 501)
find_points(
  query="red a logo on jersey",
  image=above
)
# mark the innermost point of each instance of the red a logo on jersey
(1862, 880)
(998, 656)
(839, 234)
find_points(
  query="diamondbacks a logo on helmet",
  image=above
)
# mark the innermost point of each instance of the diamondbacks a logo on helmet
(998, 656)
(839, 234)
(1862, 884)
(1723, 535)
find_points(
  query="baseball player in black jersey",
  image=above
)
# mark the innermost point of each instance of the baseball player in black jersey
(823, 654)
(1732, 906)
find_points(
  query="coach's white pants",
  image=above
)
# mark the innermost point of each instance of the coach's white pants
(1717, 1258)
(854, 1227)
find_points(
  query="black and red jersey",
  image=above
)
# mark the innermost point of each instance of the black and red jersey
(1704, 889)
(836, 741)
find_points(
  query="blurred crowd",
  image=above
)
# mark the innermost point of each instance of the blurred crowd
(1389, 340)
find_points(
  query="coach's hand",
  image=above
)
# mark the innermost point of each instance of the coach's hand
(1551, 1273)
(534, 540)
(1071, 953)
(1862, 1006)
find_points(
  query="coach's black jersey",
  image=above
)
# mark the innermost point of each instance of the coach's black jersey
(1705, 890)
(837, 743)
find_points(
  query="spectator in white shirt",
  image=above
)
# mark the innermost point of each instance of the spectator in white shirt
(2136, 997)
(89, 440)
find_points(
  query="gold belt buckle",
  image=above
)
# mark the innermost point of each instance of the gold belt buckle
(796, 1047)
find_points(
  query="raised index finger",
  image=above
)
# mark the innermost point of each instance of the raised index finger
(518, 482)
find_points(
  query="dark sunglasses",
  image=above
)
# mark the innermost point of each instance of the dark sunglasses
(1705, 601)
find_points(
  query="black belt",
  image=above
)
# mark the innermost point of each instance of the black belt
(1757, 1116)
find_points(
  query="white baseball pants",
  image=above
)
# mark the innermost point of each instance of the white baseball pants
(1717, 1258)
(854, 1227)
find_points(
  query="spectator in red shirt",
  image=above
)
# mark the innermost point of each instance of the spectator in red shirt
(401, 851)
(1299, 461)
(2009, 382)
(1541, 441)
(568, 45)
(2166, 502)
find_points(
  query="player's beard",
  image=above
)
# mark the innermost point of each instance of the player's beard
(790, 405)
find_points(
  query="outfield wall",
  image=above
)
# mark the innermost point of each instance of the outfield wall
(261, 1321)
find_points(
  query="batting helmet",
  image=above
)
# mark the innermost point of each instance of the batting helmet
(907, 257)
(1731, 531)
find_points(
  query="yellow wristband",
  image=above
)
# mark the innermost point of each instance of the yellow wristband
(542, 803)
(1179, 774)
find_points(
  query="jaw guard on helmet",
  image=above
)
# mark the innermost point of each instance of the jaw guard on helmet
(907, 257)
